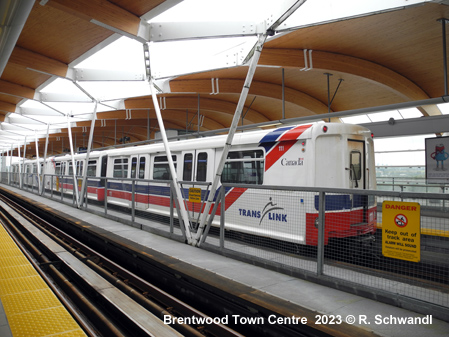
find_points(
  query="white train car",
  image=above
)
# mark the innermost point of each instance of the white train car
(331, 155)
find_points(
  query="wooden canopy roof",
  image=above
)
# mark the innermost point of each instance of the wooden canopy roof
(375, 60)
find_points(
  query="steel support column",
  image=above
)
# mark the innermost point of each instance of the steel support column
(24, 157)
(10, 166)
(89, 147)
(20, 165)
(227, 145)
(182, 211)
(37, 163)
(75, 184)
(174, 177)
(45, 161)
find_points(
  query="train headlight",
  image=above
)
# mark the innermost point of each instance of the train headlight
(325, 128)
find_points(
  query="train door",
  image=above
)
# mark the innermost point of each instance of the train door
(357, 176)
(141, 189)
(196, 168)
(357, 163)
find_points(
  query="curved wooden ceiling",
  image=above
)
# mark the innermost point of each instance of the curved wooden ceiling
(380, 59)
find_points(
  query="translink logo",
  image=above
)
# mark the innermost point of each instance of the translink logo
(269, 212)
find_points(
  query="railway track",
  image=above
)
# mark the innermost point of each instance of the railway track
(110, 319)
(58, 246)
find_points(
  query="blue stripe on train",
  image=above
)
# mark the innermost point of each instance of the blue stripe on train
(90, 183)
(341, 202)
(157, 190)
(274, 135)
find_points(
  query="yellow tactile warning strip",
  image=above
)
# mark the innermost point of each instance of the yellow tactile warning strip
(31, 308)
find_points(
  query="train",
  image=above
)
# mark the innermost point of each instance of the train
(329, 155)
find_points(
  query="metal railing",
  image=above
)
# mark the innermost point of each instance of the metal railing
(295, 237)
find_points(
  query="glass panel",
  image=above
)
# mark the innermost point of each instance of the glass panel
(142, 168)
(92, 168)
(187, 172)
(120, 168)
(201, 167)
(133, 167)
(161, 169)
(238, 169)
(355, 165)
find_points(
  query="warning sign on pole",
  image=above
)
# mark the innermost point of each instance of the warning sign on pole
(194, 194)
(401, 230)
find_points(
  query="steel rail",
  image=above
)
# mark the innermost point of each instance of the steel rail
(30, 250)
(157, 301)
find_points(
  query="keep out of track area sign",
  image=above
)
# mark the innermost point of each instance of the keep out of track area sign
(401, 230)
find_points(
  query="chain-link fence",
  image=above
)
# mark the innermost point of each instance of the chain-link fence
(342, 236)
(387, 245)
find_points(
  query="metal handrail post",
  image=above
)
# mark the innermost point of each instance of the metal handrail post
(321, 229)
(133, 201)
(171, 211)
(105, 196)
(211, 217)
(180, 218)
(222, 216)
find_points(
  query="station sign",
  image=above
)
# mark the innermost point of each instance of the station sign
(401, 230)
(194, 194)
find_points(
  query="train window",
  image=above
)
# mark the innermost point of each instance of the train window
(58, 168)
(201, 167)
(104, 166)
(142, 168)
(120, 168)
(133, 167)
(244, 167)
(79, 167)
(161, 169)
(70, 168)
(63, 166)
(92, 168)
(355, 165)
(188, 161)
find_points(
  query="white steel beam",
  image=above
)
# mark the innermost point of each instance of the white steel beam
(38, 111)
(232, 129)
(86, 161)
(64, 97)
(410, 126)
(174, 177)
(75, 185)
(45, 160)
(20, 166)
(36, 141)
(175, 31)
(85, 74)
(182, 211)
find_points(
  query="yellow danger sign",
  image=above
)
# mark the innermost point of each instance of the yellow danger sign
(401, 230)
(194, 194)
